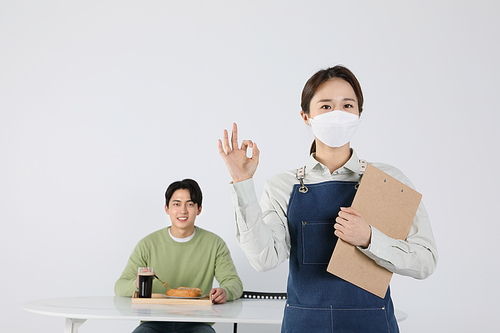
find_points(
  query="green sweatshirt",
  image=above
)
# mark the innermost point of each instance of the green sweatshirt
(194, 263)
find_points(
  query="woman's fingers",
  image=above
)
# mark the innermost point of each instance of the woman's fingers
(224, 146)
(255, 152)
(351, 227)
(227, 147)
(221, 150)
(234, 136)
(351, 211)
(245, 144)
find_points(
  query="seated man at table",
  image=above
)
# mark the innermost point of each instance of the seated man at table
(182, 255)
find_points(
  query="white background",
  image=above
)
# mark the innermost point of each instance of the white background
(105, 103)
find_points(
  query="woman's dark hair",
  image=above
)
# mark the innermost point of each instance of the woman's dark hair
(186, 184)
(321, 77)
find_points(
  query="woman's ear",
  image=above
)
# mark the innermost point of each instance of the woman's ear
(305, 117)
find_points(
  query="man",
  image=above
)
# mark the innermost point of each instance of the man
(182, 255)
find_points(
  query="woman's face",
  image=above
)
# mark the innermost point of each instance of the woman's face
(333, 95)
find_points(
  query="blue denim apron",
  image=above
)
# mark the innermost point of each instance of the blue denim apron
(317, 300)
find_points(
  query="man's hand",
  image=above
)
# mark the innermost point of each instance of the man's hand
(218, 295)
(352, 228)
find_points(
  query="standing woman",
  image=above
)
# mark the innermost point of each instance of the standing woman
(304, 225)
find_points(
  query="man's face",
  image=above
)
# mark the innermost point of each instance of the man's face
(182, 212)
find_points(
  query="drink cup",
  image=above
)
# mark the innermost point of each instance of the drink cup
(146, 276)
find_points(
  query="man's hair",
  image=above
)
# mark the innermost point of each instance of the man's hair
(186, 184)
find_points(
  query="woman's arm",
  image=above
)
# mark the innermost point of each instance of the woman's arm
(416, 256)
(261, 230)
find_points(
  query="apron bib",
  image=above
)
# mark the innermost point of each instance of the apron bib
(317, 300)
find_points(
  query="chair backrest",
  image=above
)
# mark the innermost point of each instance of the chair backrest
(259, 295)
(263, 295)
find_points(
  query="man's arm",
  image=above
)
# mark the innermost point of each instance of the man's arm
(126, 284)
(225, 273)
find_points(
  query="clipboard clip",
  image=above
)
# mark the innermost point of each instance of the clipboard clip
(300, 177)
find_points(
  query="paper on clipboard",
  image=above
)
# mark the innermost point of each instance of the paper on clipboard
(389, 206)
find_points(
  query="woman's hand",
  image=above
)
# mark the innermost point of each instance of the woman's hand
(218, 295)
(239, 165)
(352, 228)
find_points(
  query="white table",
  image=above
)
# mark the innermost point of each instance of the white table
(77, 310)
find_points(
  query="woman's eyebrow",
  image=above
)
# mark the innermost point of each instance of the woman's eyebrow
(349, 99)
(330, 100)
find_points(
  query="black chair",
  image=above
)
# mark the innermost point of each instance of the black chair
(259, 295)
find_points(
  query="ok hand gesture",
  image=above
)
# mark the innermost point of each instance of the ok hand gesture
(239, 165)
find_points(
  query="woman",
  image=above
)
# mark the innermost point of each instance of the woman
(304, 225)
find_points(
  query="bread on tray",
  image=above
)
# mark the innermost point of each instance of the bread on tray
(184, 292)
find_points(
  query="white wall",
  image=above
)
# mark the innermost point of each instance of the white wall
(105, 103)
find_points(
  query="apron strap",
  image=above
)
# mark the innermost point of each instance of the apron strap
(301, 173)
(362, 166)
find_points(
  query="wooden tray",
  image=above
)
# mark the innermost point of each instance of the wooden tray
(161, 299)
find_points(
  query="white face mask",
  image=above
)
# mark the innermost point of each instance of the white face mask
(334, 128)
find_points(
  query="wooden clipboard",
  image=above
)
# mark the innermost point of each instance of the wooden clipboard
(388, 205)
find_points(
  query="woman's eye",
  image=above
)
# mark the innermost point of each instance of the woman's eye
(326, 107)
(348, 106)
